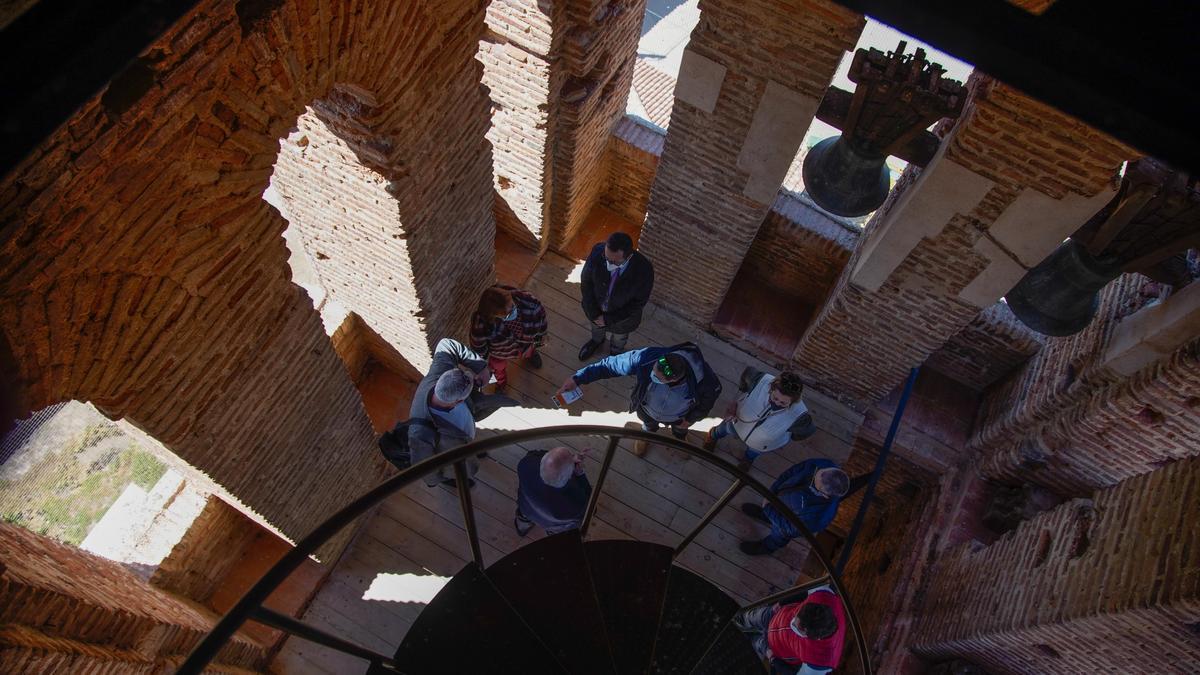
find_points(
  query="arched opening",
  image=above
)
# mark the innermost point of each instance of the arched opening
(70, 473)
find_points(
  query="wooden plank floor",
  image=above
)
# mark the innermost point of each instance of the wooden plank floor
(658, 498)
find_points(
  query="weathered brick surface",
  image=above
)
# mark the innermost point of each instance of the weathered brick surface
(993, 345)
(1003, 136)
(140, 268)
(516, 57)
(600, 47)
(875, 575)
(799, 250)
(559, 73)
(208, 550)
(1065, 422)
(698, 192)
(377, 230)
(1093, 586)
(633, 153)
(51, 592)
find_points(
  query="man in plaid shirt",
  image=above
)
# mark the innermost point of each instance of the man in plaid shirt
(509, 324)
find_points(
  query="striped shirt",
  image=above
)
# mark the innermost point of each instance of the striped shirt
(499, 339)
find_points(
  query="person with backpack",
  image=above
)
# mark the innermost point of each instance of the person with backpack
(674, 386)
(812, 489)
(445, 407)
(766, 416)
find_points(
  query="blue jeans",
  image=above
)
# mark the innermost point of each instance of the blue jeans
(726, 429)
(775, 540)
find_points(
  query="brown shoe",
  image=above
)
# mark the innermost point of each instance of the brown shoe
(710, 442)
(640, 447)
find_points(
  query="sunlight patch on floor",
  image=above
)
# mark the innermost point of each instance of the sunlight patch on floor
(390, 587)
(537, 418)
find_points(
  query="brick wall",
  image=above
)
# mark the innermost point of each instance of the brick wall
(875, 575)
(633, 152)
(1102, 585)
(992, 345)
(802, 254)
(208, 550)
(58, 599)
(1061, 374)
(379, 189)
(1025, 149)
(141, 270)
(1067, 422)
(797, 247)
(600, 47)
(700, 193)
(559, 73)
(516, 57)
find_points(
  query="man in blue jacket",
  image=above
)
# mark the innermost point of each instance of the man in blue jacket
(812, 489)
(674, 386)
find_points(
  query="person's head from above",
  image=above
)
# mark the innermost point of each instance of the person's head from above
(786, 389)
(815, 622)
(497, 304)
(669, 369)
(453, 387)
(831, 482)
(557, 466)
(617, 249)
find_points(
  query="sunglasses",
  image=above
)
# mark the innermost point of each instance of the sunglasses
(665, 367)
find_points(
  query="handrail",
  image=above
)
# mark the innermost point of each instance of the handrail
(207, 648)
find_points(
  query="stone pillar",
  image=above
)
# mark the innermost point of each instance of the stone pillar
(559, 73)
(1100, 585)
(749, 85)
(1013, 179)
(61, 607)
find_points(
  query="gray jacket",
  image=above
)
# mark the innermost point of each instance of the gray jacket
(425, 440)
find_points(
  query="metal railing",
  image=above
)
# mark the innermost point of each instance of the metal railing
(250, 606)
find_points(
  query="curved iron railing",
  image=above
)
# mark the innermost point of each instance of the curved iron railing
(250, 606)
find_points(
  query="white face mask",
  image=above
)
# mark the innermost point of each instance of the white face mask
(512, 315)
(613, 268)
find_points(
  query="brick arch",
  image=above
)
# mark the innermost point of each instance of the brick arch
(388, 180)
(140, 268)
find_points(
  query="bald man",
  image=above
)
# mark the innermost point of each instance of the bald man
(552, 490)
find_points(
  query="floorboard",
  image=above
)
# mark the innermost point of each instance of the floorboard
(658, 498)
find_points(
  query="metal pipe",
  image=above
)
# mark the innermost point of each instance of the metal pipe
(594, 498)
(708, 517)
(879, 463)
(788, 593)
(287, 624)
(464, 500)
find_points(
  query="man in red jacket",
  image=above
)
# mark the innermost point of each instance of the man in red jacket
(804, 637)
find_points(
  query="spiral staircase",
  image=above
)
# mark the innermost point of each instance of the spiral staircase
(561, 604)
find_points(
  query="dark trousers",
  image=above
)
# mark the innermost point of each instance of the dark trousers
(650, 424)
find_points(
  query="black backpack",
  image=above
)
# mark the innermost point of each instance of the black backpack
(394, 444)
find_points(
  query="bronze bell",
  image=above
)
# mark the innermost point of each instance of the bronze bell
(1060, 295)
(843, 181)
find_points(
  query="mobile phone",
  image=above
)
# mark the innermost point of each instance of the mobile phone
(567, 397)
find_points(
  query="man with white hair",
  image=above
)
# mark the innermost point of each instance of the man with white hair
(447, 404)
(552, 490)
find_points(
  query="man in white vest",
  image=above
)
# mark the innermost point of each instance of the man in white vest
(767, 415)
